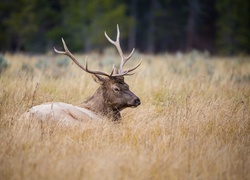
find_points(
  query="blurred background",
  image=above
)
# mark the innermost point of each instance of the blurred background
(151, 26)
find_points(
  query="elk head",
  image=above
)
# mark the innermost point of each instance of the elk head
(113, 95)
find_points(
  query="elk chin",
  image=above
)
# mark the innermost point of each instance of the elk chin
(134, 106)
(120, 108)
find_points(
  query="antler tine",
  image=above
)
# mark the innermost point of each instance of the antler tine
(134, 68)
(117, 42)
(124, 59)
(126, 72)
(69, 54)
(118, 46)
(72, 57)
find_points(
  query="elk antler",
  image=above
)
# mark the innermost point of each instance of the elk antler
(70, 55)
(124, 59)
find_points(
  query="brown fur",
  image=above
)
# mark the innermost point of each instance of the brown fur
(111, 97)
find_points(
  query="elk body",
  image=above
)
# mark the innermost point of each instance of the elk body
(112, 96)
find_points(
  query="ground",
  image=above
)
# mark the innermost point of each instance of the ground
(193, 123)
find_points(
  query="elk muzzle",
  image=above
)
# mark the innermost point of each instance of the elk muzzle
(137, 101)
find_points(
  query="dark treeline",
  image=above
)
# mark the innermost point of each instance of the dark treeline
(152, 26)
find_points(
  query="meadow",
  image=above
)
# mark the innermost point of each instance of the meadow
(193, 123)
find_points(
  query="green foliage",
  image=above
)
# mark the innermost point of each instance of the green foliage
(150, 26)
(20, 22)
(233, 26)
(3, 64)
(86, 27)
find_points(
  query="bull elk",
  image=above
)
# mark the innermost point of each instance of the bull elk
(112, 96)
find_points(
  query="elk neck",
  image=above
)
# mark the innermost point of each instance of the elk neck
(97, 103)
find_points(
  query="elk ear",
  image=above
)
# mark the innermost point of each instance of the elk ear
(100, 80)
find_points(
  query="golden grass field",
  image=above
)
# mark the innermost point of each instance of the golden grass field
(193, 123)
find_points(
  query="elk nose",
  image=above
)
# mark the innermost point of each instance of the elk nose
(137, 101)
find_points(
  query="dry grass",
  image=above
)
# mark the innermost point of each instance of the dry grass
(194, 122)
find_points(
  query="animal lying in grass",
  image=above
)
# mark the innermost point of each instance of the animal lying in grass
(112, 96)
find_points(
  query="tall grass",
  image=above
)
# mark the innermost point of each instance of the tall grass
(194, 121)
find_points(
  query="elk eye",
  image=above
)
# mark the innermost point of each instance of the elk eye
(116, 89)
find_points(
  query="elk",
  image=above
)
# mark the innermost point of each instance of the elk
(112, 96)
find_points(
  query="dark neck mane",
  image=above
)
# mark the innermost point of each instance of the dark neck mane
(98, 104)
